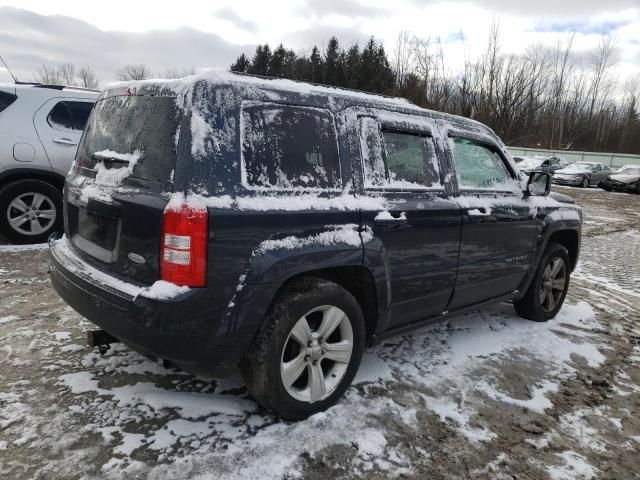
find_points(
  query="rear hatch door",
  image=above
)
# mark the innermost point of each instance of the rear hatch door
(118, 188)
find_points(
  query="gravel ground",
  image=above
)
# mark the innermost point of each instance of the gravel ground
(483, 395)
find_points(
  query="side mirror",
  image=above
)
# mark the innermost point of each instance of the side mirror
(538, 185)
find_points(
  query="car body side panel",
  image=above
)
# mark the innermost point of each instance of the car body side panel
(60, 144)
(565, 219)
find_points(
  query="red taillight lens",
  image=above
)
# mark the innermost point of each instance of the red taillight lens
(183, 252)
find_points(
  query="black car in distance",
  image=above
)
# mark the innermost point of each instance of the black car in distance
(227, 220)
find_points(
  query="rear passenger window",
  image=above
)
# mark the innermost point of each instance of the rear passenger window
(6, 99)
(59, 117)
(79, 113)
(289, 147)
(396, 159)
(477, 166)
(69, 115)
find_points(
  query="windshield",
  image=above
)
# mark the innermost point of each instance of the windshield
(579, 167)
(629, 171)
(138, 129)
(531, 162)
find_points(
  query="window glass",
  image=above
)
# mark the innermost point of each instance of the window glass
(59, 117)
(6, 99)
(375, 171)
(411, 158)
(289, 147)
(477, 166)
(397, 159)
(134, 123)
(79, 113)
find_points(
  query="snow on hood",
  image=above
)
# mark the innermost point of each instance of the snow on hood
(625, 178)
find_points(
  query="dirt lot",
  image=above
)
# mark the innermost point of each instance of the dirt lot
(484, 395)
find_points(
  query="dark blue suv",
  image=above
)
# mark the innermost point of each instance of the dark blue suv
(228, 220)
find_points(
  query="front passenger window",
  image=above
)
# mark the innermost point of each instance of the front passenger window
(477, 166)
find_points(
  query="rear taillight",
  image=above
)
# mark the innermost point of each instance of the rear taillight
(183, 258)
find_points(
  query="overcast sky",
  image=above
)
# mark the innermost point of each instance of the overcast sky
(201, 34)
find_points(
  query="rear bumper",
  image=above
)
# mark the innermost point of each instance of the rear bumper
(178, 329)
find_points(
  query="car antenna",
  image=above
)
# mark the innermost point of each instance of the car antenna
(15, 80)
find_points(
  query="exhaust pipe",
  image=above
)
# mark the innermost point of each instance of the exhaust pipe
(101, 339)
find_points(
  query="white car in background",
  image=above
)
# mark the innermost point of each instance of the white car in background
(40, 127)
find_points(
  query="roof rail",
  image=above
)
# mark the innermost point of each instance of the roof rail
(346, 89)
(57, 87)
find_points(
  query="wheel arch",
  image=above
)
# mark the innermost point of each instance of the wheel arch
(355, 279)
(17, 174)
(569, 239)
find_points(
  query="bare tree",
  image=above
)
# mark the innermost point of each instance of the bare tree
(402, 59)
(175, 72)
(134, 72)
(67, 72)
(87, 78)
(48, 75)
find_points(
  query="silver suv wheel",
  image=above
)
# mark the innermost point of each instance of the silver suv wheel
(31, 213)
(316, 354)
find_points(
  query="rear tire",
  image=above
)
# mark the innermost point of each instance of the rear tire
(30, 211)
(547, 291)
(295, 380)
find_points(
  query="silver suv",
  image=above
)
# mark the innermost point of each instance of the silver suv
(40, 127)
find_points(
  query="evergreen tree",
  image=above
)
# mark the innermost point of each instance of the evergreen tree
(241, 64)
(276, 62)
(351, 66)
(315, 64)
(291, 66)
(331, 73)
(261, 59)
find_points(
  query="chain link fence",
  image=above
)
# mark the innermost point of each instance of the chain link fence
(571, 156)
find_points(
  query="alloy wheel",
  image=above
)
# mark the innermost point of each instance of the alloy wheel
(31, 213)
(316, 354)
(553, 284)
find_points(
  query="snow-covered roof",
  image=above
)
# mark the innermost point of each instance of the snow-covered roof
(183, 86)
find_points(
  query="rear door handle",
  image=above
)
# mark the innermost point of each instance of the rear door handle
(481, 215)
(386, 219)
(65, 141)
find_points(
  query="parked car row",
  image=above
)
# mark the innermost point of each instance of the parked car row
(583, 174)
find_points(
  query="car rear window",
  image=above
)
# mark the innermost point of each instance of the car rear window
(143, 126)
(289, 147)
(6, 99)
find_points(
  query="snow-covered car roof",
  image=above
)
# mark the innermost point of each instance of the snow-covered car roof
(187, 85)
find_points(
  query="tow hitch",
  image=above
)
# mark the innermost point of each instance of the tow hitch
(101, 339)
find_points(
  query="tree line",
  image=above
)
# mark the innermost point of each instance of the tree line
(67, 74)
(545, 97)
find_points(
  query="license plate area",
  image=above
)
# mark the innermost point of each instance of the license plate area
(94, 233)
(102, 231)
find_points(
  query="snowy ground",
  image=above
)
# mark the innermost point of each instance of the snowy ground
(484, 395)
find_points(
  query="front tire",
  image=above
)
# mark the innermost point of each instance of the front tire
(547, 291)
(585, 182)
(308, 351)
(30, 211)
